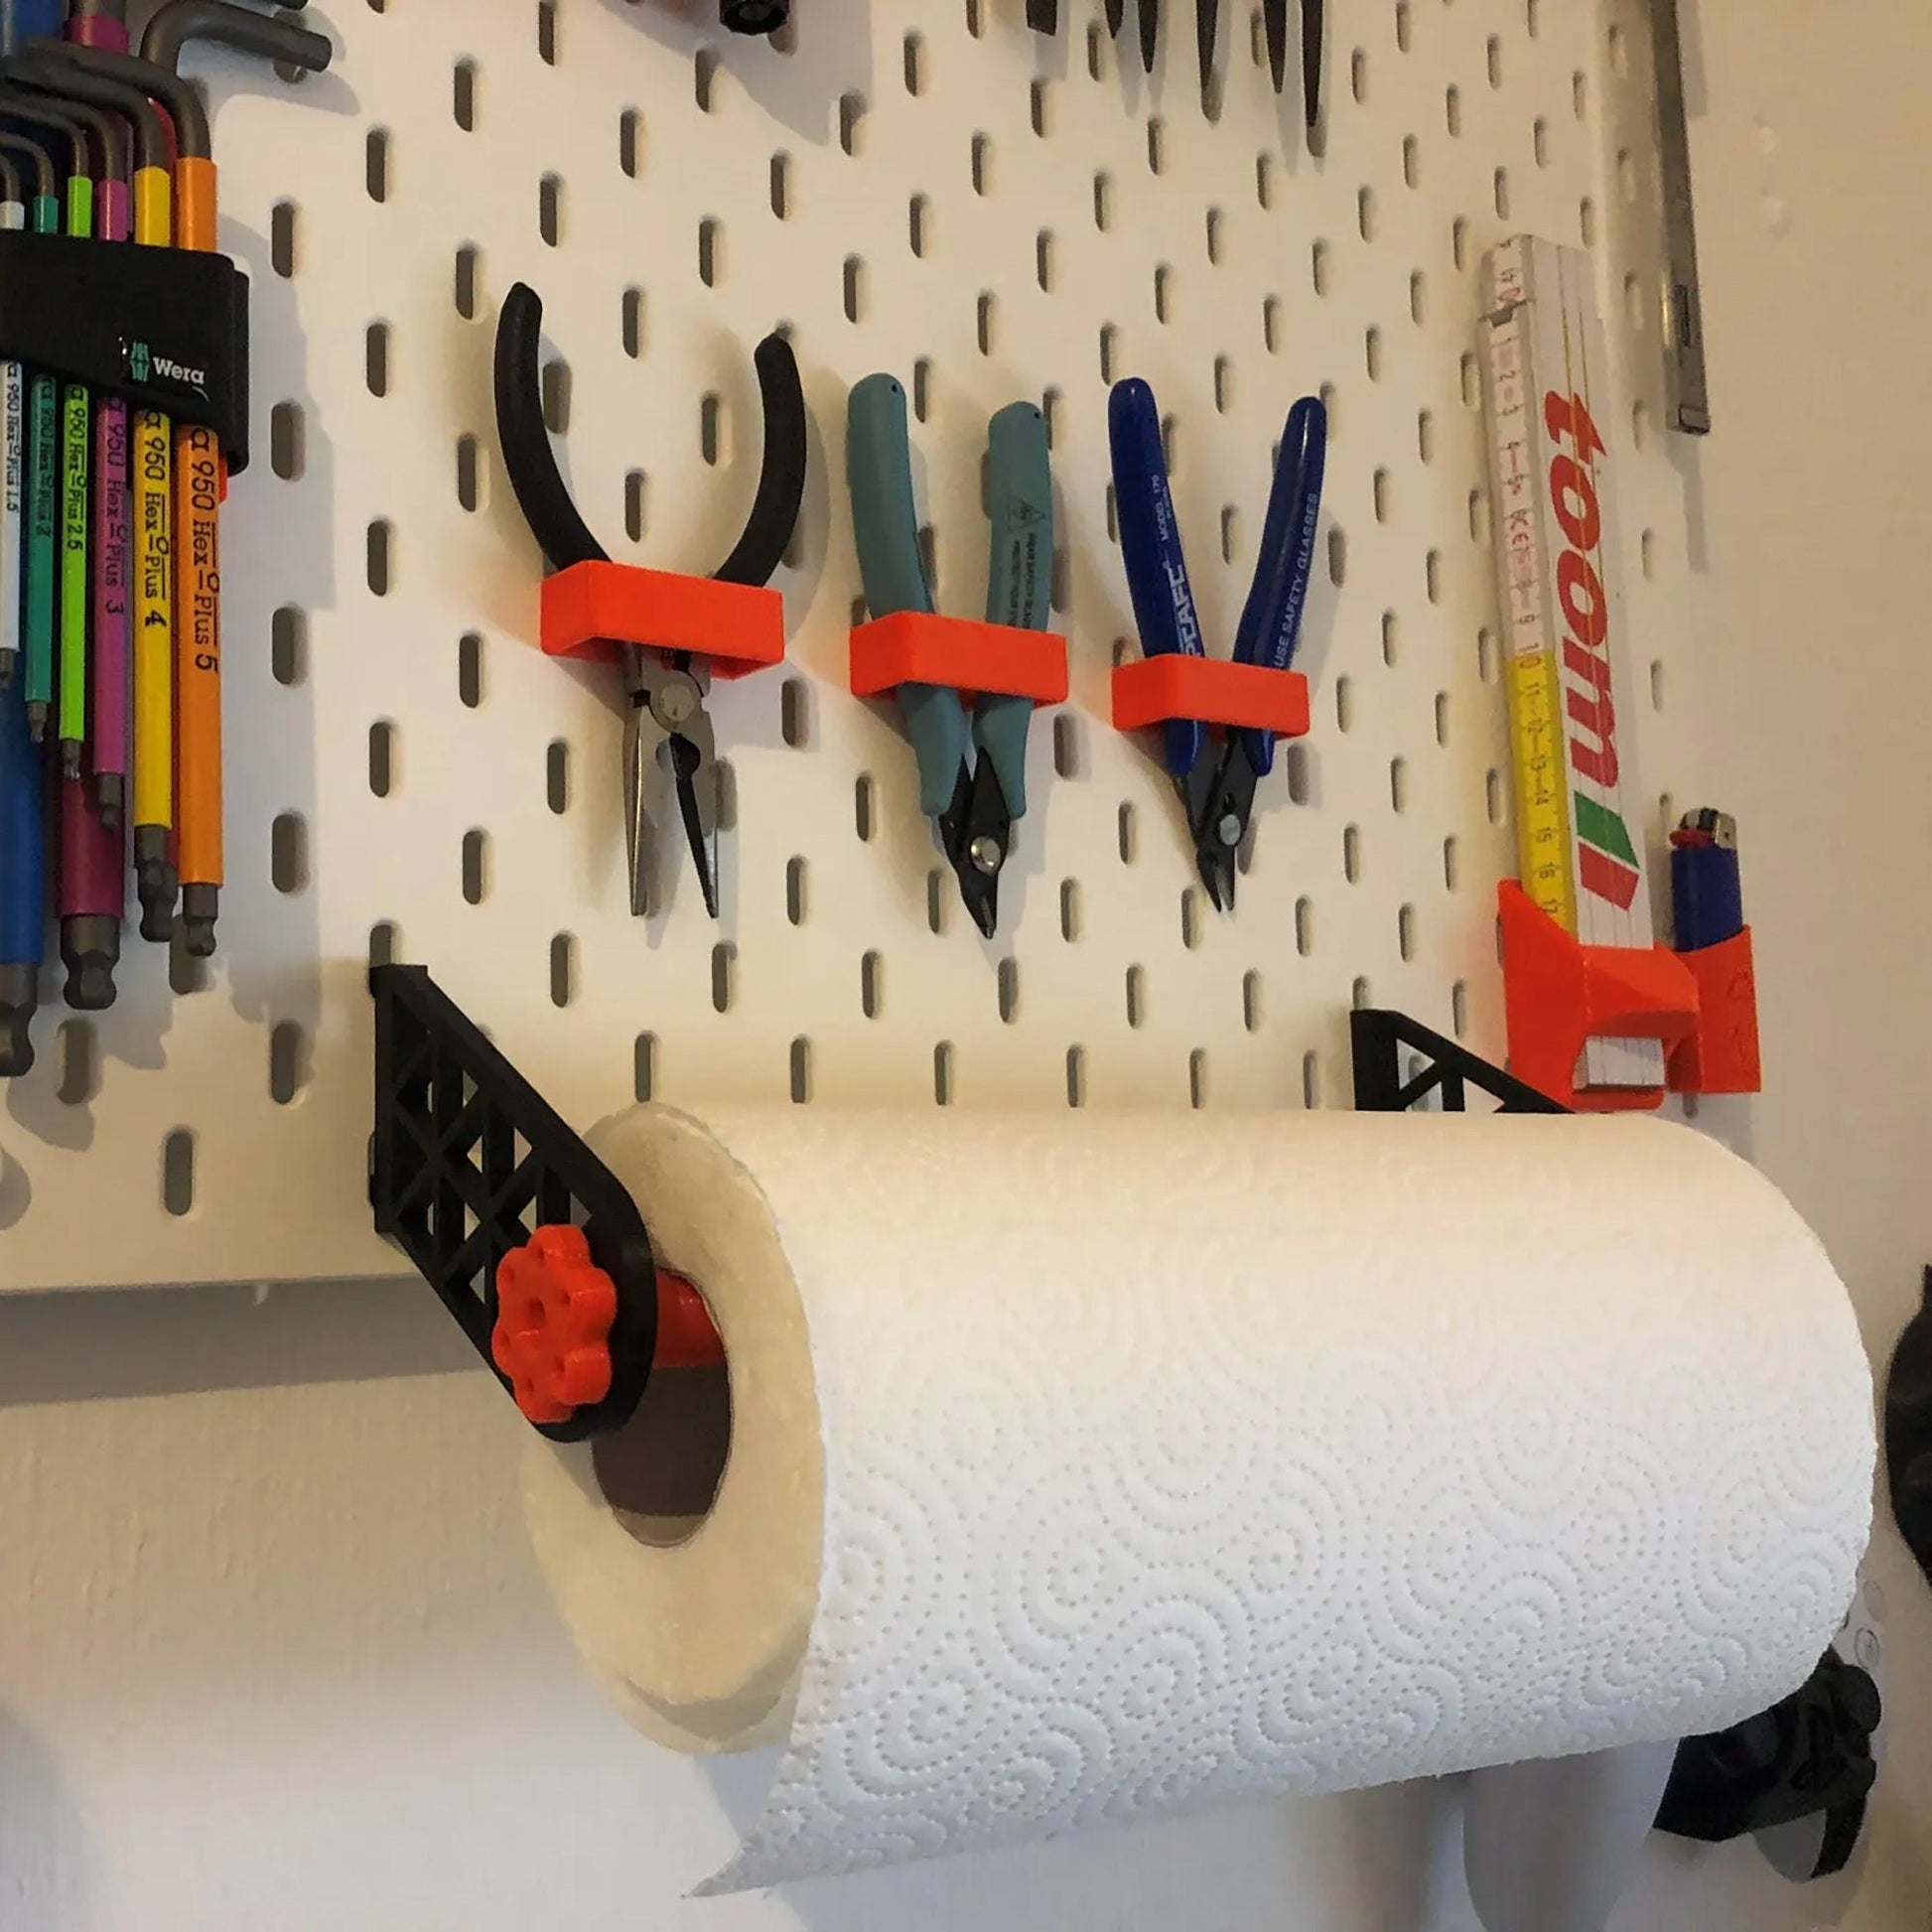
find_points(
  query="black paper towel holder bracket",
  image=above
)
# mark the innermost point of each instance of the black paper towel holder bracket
(534, 1247)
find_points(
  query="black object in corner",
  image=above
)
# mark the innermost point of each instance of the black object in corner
(166, 328)
(1908, 1432)
(754, 15)
(468, 1161)
(1808, 1756)
(1377, 1035)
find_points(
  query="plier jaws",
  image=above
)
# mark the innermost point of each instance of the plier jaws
(1219, 797)
(976, 831)
(668, 733)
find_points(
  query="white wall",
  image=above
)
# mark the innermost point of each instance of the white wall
(272, 1653)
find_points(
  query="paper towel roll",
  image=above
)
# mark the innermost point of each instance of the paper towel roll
(1086, 1468)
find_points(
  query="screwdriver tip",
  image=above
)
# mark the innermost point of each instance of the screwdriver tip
(19, 997)
(110, 792)
(154, 884)
(90, 948)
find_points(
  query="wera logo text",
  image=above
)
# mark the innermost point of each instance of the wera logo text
(143, 364)
(1606, 860)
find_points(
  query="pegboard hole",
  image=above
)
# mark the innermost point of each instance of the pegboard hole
(1501, 193)
(1162, 293)
(1451, 864)
(1068, 759)
(1360, 995)
(468, 278)
(1157, 145)
(379, 562)
(916, 211)
(1230, 532)
(554, 387)
(1372, 352)
(711, 429)
(852, 114)
(288, 644)
(635, 503)
(563, 969)
(550, 210)
(1305, 927)
(936, 898)
(1076, 1077)
(1216, 221)
(1358, 74)
(1425, 435)
(1069, 909)
(1657, 684)
(1540, 141)
(862, 814)
(942, 1074)
(385, 943)
(178, 1172)
(1460, 241)
(1391, 638)
(1109, 351)
(981, 161)
(1136, 995)
(1352, 854)
(1493, 795)
(1190, 920)
(710, 233)
(1432, 574)
(923, 389)
(556, 775)
(1310, 1080)
(988, 308)
(1402, 26)
(382, 758)
(1411, 162)
(469, 473)
(463, 96)
(795, 712)
(288, 851)
(1337, 555)
(1648, 553)
(704, 78)
(643, 1067)
(288, 1062)
(1009, 989)
(1251, 1000)
(629, 142)
(797, 876)
(1103, 202)
(1127, 825)
(1459, 1009)
(76, 1050)
(1586, 222)
(855, 288)
(1580, 94)
(375, 359)
(915, 65)
(1399, 784)
(1345, 704)
(1366, 213)
(1379, 488)
(282, 238)
(375, 168)
(286, 439)
(1265, 181)
(1418, 298)
(1404, 931)
(547, 32)
(872, 984)
(723, 976)
(1197, 1078)
(1453, 110)
(476, 866)
(470, 669)
(801, 1071)
(1041, 106)
(1299, 763)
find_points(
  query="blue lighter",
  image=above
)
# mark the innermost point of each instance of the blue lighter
(1706, 895)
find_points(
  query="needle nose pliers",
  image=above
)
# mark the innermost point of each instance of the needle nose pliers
(665, 691)
(972, 776)
(1216, 783)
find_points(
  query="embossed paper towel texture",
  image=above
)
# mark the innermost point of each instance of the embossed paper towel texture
(1174, 1462)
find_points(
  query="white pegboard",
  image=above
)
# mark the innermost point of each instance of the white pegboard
(913, 185)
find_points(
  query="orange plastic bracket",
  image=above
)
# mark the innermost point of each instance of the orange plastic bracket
(1720, 1055)
(591, 608)
(1559, 993)
(962, 653)
(1212, 691)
